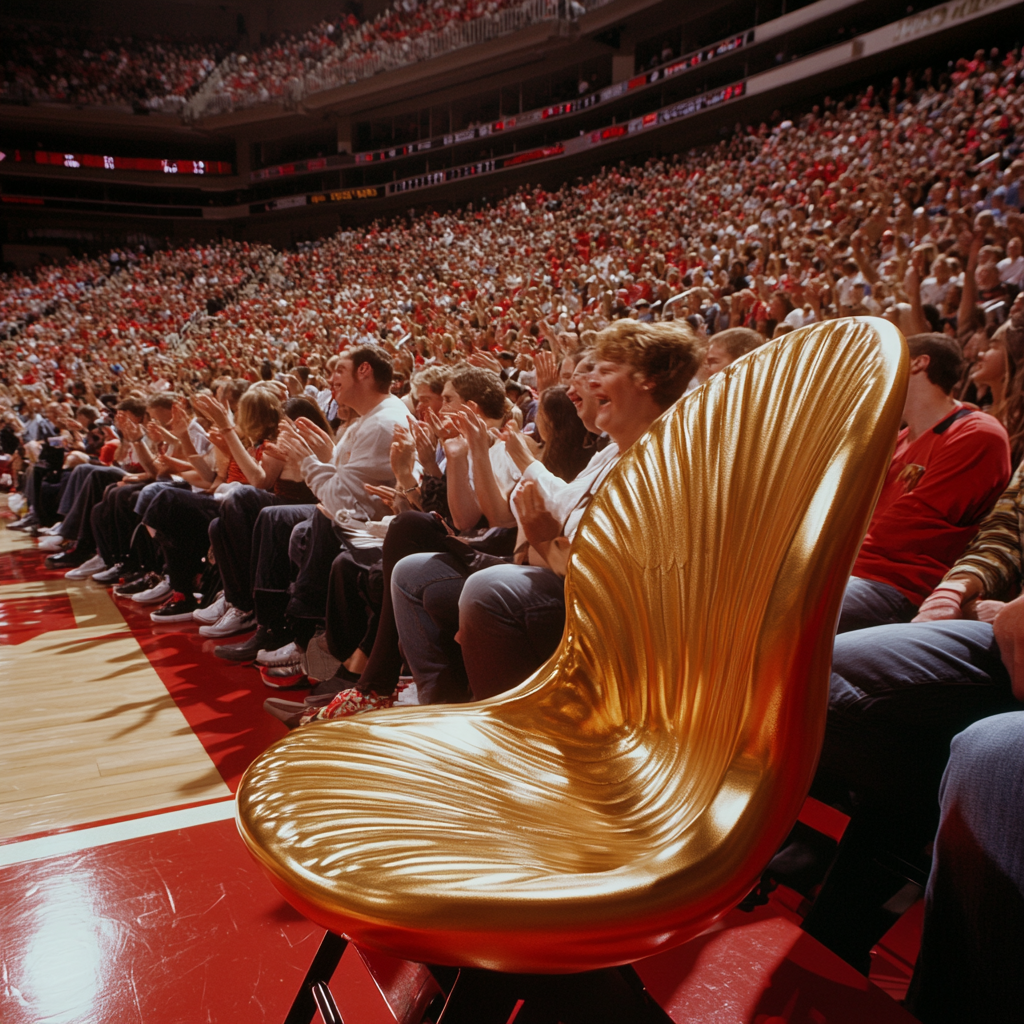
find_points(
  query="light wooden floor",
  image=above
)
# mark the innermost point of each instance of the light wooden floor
(89, 732)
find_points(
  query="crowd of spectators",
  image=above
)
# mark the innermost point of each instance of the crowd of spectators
(54, 65)
(367, 457)
(347, 49)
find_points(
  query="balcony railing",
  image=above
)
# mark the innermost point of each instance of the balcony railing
(216, 96)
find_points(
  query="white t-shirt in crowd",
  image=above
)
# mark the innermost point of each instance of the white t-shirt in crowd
(1011, 271)
(362, 456)
(933, 293)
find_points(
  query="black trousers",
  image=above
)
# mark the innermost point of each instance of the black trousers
(78, 522)
(233, 538)
(47, 495)
(313, 546)
(354, 600)
(347, 606)
(113, 521)
(272, 568)
(182, 520)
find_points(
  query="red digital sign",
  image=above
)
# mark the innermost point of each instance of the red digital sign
(119, 163)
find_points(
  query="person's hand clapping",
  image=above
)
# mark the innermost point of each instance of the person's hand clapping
(130, 430)
(393, 499)
(291, 443)
(319, 442)
(179, 420)
(216, 411)
(521, 449)
(539, 525)
(474, 430)
(547, 370)
(273, 450)
(426, 446)
(484, 360)
(403, 455)
(158, 434)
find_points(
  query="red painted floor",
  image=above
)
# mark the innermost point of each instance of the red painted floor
(23, 618)
(181, 927)
(761, 968)
(178, 928)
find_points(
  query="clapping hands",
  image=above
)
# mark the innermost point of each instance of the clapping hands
(303, 438)
(216, 411)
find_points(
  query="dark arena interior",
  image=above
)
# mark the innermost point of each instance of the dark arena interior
(486, 527)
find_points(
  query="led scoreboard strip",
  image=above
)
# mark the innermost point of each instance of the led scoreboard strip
(118, 163)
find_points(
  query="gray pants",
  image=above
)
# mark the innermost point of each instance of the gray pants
(509, 619)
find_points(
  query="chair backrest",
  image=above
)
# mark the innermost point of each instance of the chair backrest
(706, 579)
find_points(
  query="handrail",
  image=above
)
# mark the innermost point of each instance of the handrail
(215, 97)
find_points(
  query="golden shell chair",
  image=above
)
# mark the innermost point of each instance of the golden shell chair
(632, 791)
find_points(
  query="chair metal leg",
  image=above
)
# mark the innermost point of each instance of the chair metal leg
(314, 993)
(324, 999)
(609, 996)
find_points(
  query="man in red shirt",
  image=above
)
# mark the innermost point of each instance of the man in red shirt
(951, 463)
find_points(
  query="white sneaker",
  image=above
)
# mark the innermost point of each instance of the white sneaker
(287, 655)
(233, 621)
(211, 613)
(52, 543)
(154, 594)
(86, 569)
(407, 694)
(49, 531)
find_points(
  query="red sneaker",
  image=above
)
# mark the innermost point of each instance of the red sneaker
(348, 703)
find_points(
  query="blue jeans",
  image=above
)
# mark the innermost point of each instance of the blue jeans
(868, 603)
(898, 694)
(511, 618)
(969, 966)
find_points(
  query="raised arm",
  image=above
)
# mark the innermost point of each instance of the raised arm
(491, 499)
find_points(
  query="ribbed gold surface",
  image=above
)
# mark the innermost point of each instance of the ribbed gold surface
(633, 790)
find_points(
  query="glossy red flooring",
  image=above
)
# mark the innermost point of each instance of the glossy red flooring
(145, 921)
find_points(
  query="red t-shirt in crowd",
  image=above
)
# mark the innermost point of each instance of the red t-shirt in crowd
(938, 489)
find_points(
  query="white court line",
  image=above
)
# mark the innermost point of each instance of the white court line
(86, 838)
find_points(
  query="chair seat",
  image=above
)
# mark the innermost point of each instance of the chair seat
(441, 853)
(631, 792)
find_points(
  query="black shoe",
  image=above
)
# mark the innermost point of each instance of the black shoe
(66, 560)
(25, 522)
(137, 583)
(177, 608)
(263, 639)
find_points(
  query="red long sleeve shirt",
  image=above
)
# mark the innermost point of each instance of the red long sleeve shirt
(938, 489)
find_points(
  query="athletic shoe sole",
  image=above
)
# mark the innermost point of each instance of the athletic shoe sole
(291, 677)
(179, 617)
(212, 632)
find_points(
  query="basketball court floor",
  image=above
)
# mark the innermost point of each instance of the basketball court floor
(126, 895)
